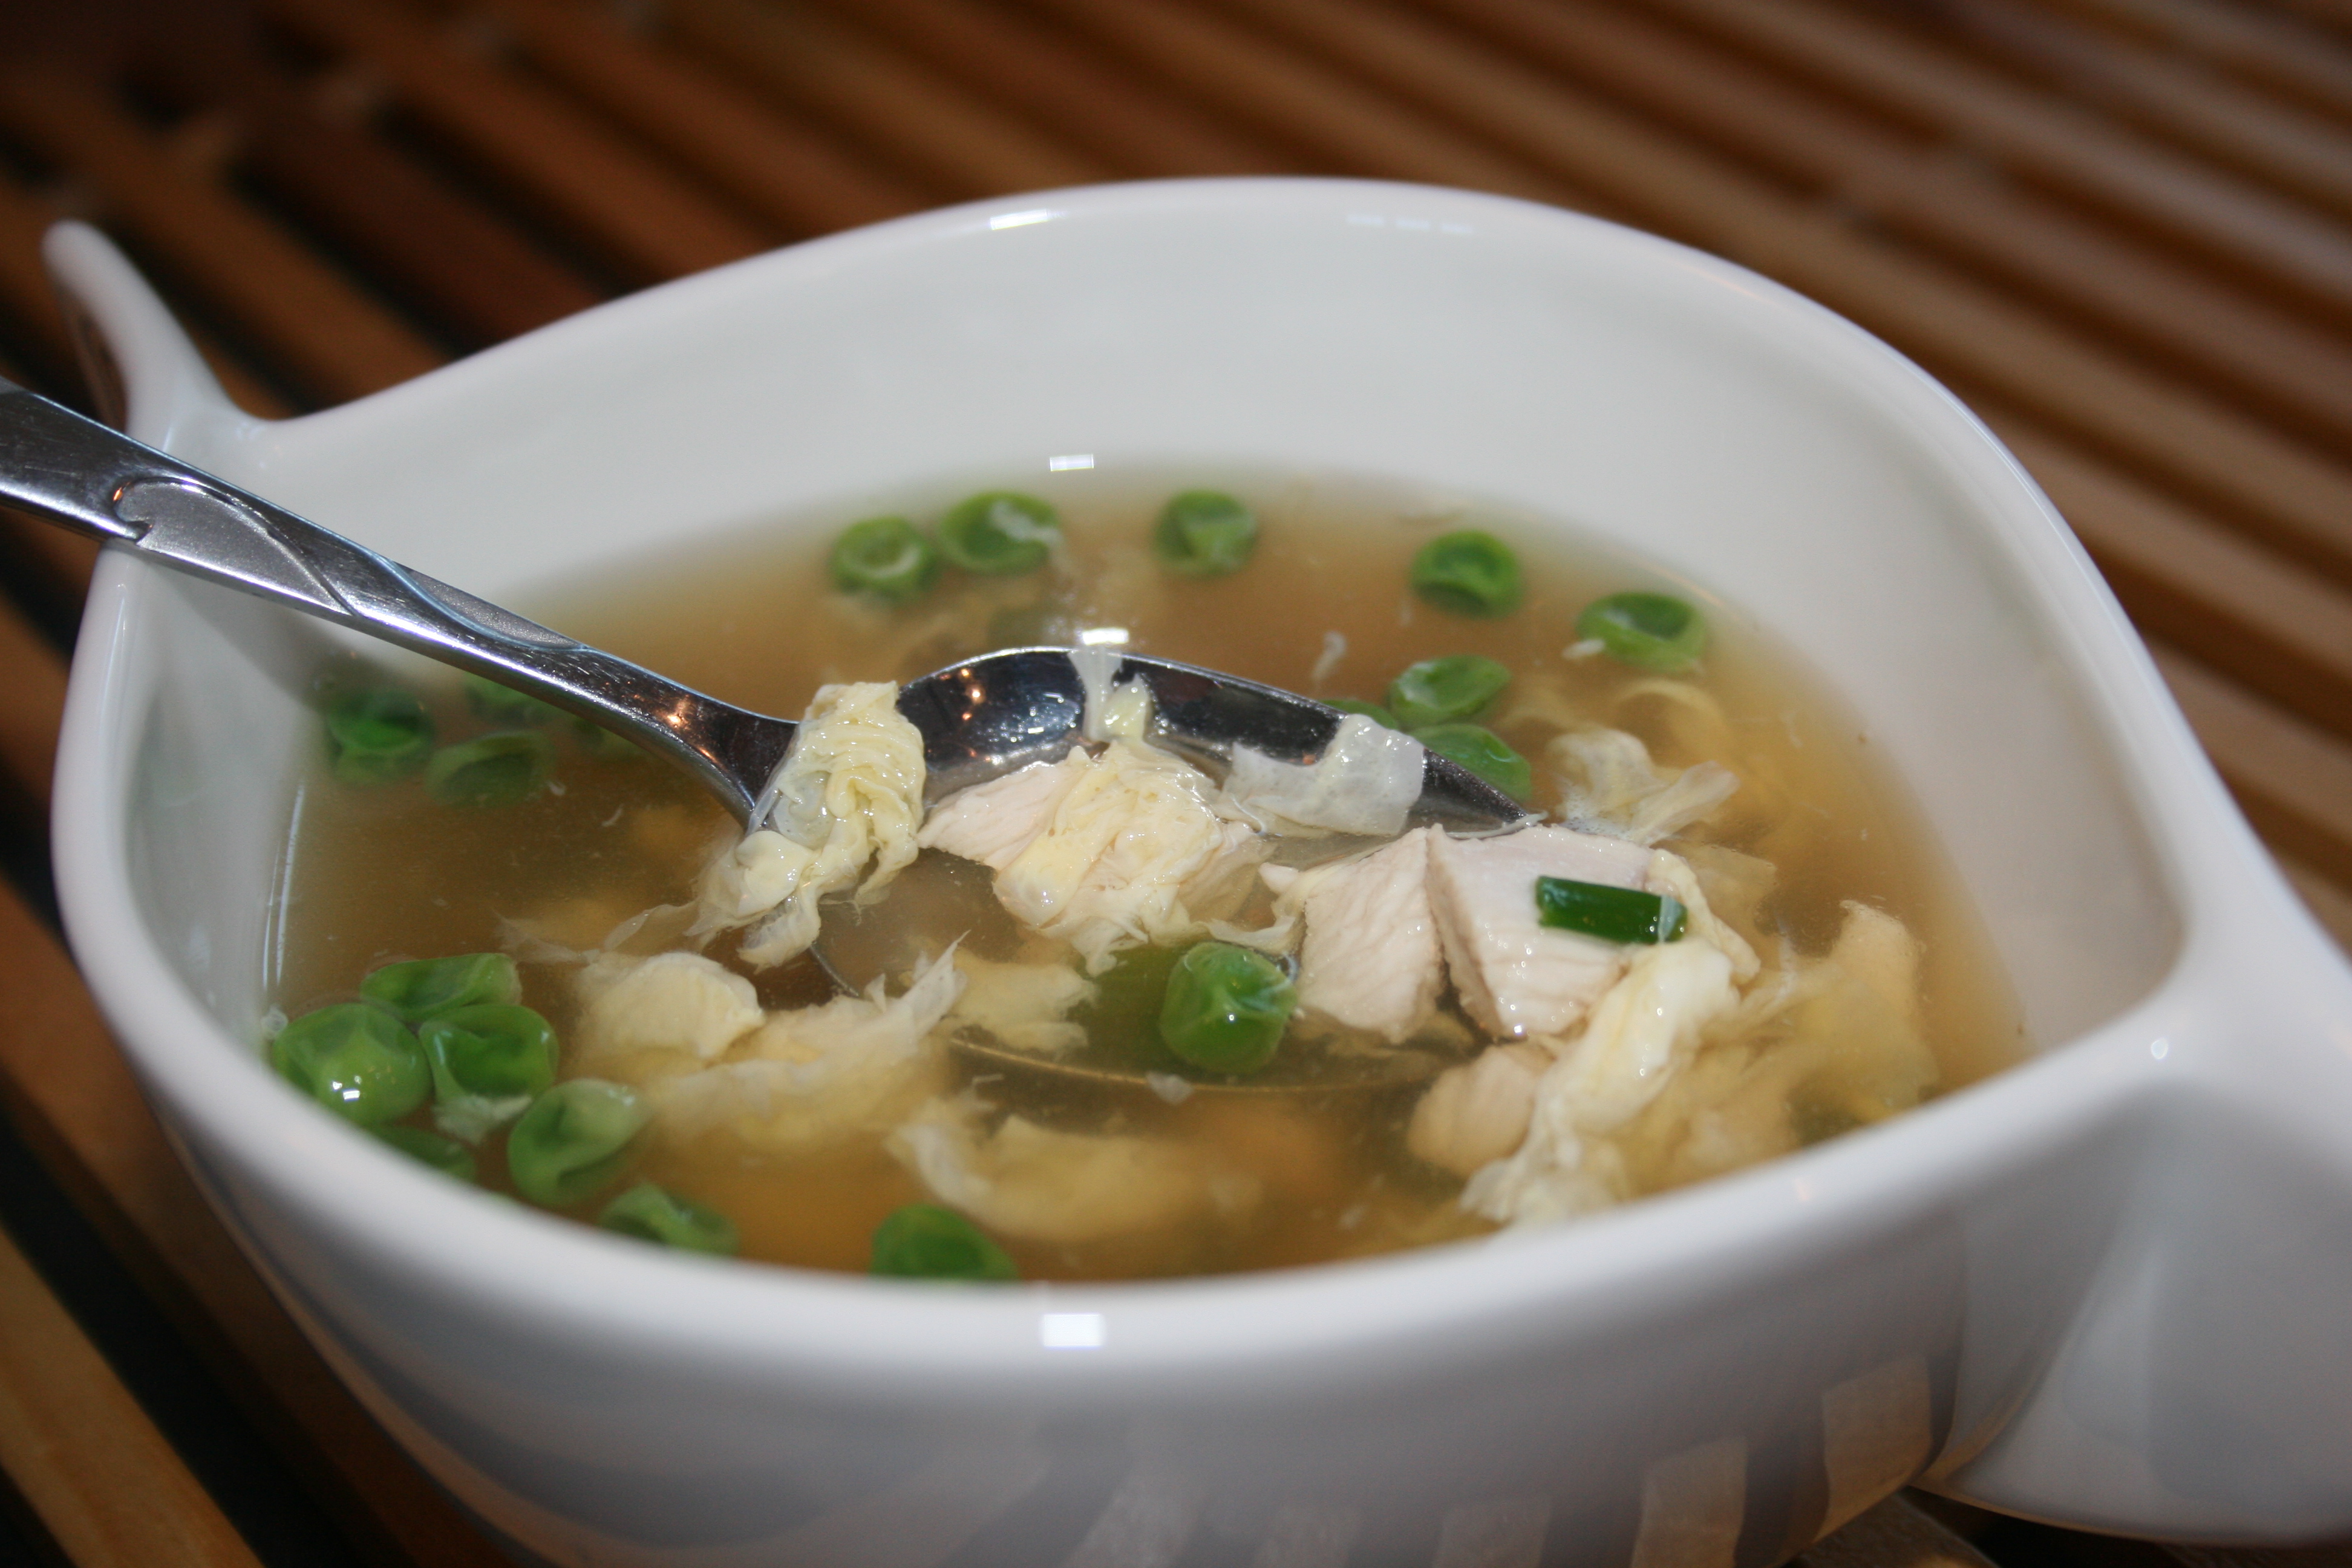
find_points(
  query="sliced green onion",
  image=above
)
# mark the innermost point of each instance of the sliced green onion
(425, 987)
(445, 1155)
(1371, 710)
(1613, 914)
(1441, 690)
(885, 556)
(377, 735)
(924, 1241)
(505, 705)
(1652, 631)
(1469, 572)
(1483, 753)
(503, 768)
(657, 1214)
(356, 1059)
(574, 1140)
(1226, 1007)
(1204, 534)
(1000, 534)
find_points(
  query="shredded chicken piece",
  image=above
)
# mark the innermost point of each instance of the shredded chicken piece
(1034, 1183)
(1109, 852)
(1645, 1028)
(1370, 954)
(1515, 977)
(850, 793)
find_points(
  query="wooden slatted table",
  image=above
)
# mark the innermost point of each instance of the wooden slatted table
(2121, 229)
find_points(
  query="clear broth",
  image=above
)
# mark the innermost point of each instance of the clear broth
(385, 873)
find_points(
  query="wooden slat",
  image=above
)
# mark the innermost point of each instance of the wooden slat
(109, 1490)
(328, 334)
(608, 192)
(2293, 779)
(2270, 51)
(966, 146)
(2114, 281)
(1069, 89)
(2167, 95)
(803, 184)
(2059, 143)
(1894, 1534)
(460, 264)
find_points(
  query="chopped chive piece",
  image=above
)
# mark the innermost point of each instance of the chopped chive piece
(1469, 572)
(1441, 690)
(503, 768)
(1483, 753)
(1226, 1007)
(924, 1241)
(505, 705)
(1372, 711)
(885, 556)
(377, 735)
(655, 1214)
(1000, 534)
(1205, 533)
(1613, 914)
(1652, 631)
(573, 1140)
(425, 987)
(356, 1059)
(445, 1155)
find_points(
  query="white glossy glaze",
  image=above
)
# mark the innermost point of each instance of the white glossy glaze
(2104, 1287)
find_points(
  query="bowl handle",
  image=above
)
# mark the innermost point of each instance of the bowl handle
(147, 377)
(2202, 1390)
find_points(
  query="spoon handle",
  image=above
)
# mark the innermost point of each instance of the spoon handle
(96, 482)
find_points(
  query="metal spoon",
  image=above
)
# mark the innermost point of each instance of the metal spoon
(978, 719)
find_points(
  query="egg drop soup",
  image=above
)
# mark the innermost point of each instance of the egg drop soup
(1117, 1020)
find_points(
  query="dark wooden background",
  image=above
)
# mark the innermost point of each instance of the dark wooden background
(2122, 229)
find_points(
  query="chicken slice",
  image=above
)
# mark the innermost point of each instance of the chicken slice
(992, 823)
(1478, 1112)
(1371, 955)
(1516, 978)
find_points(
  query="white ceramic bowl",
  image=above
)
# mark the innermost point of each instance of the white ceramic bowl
(2106, 1287)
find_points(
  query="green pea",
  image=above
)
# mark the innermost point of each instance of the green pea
(596, 740)
(573, 1140)
(356, 1059)
(1226, 1007)
(502, 768)
(658, 1214)
(488, 1062)
(1469, 572)
(1000, 534)
(425, 987)
(1204, 534)
(924, 1241)
(885, 556)
(505, 705)
(1371, 710)
(378, 734)
(1484, 754)
(1440, 691)
(445, 1155)
(1651, 631)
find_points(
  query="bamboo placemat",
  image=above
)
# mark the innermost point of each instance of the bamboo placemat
(2122, 229)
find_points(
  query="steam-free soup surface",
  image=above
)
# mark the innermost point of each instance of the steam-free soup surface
(1323, 605)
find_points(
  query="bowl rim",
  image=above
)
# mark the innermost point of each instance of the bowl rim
(1229, 1329)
